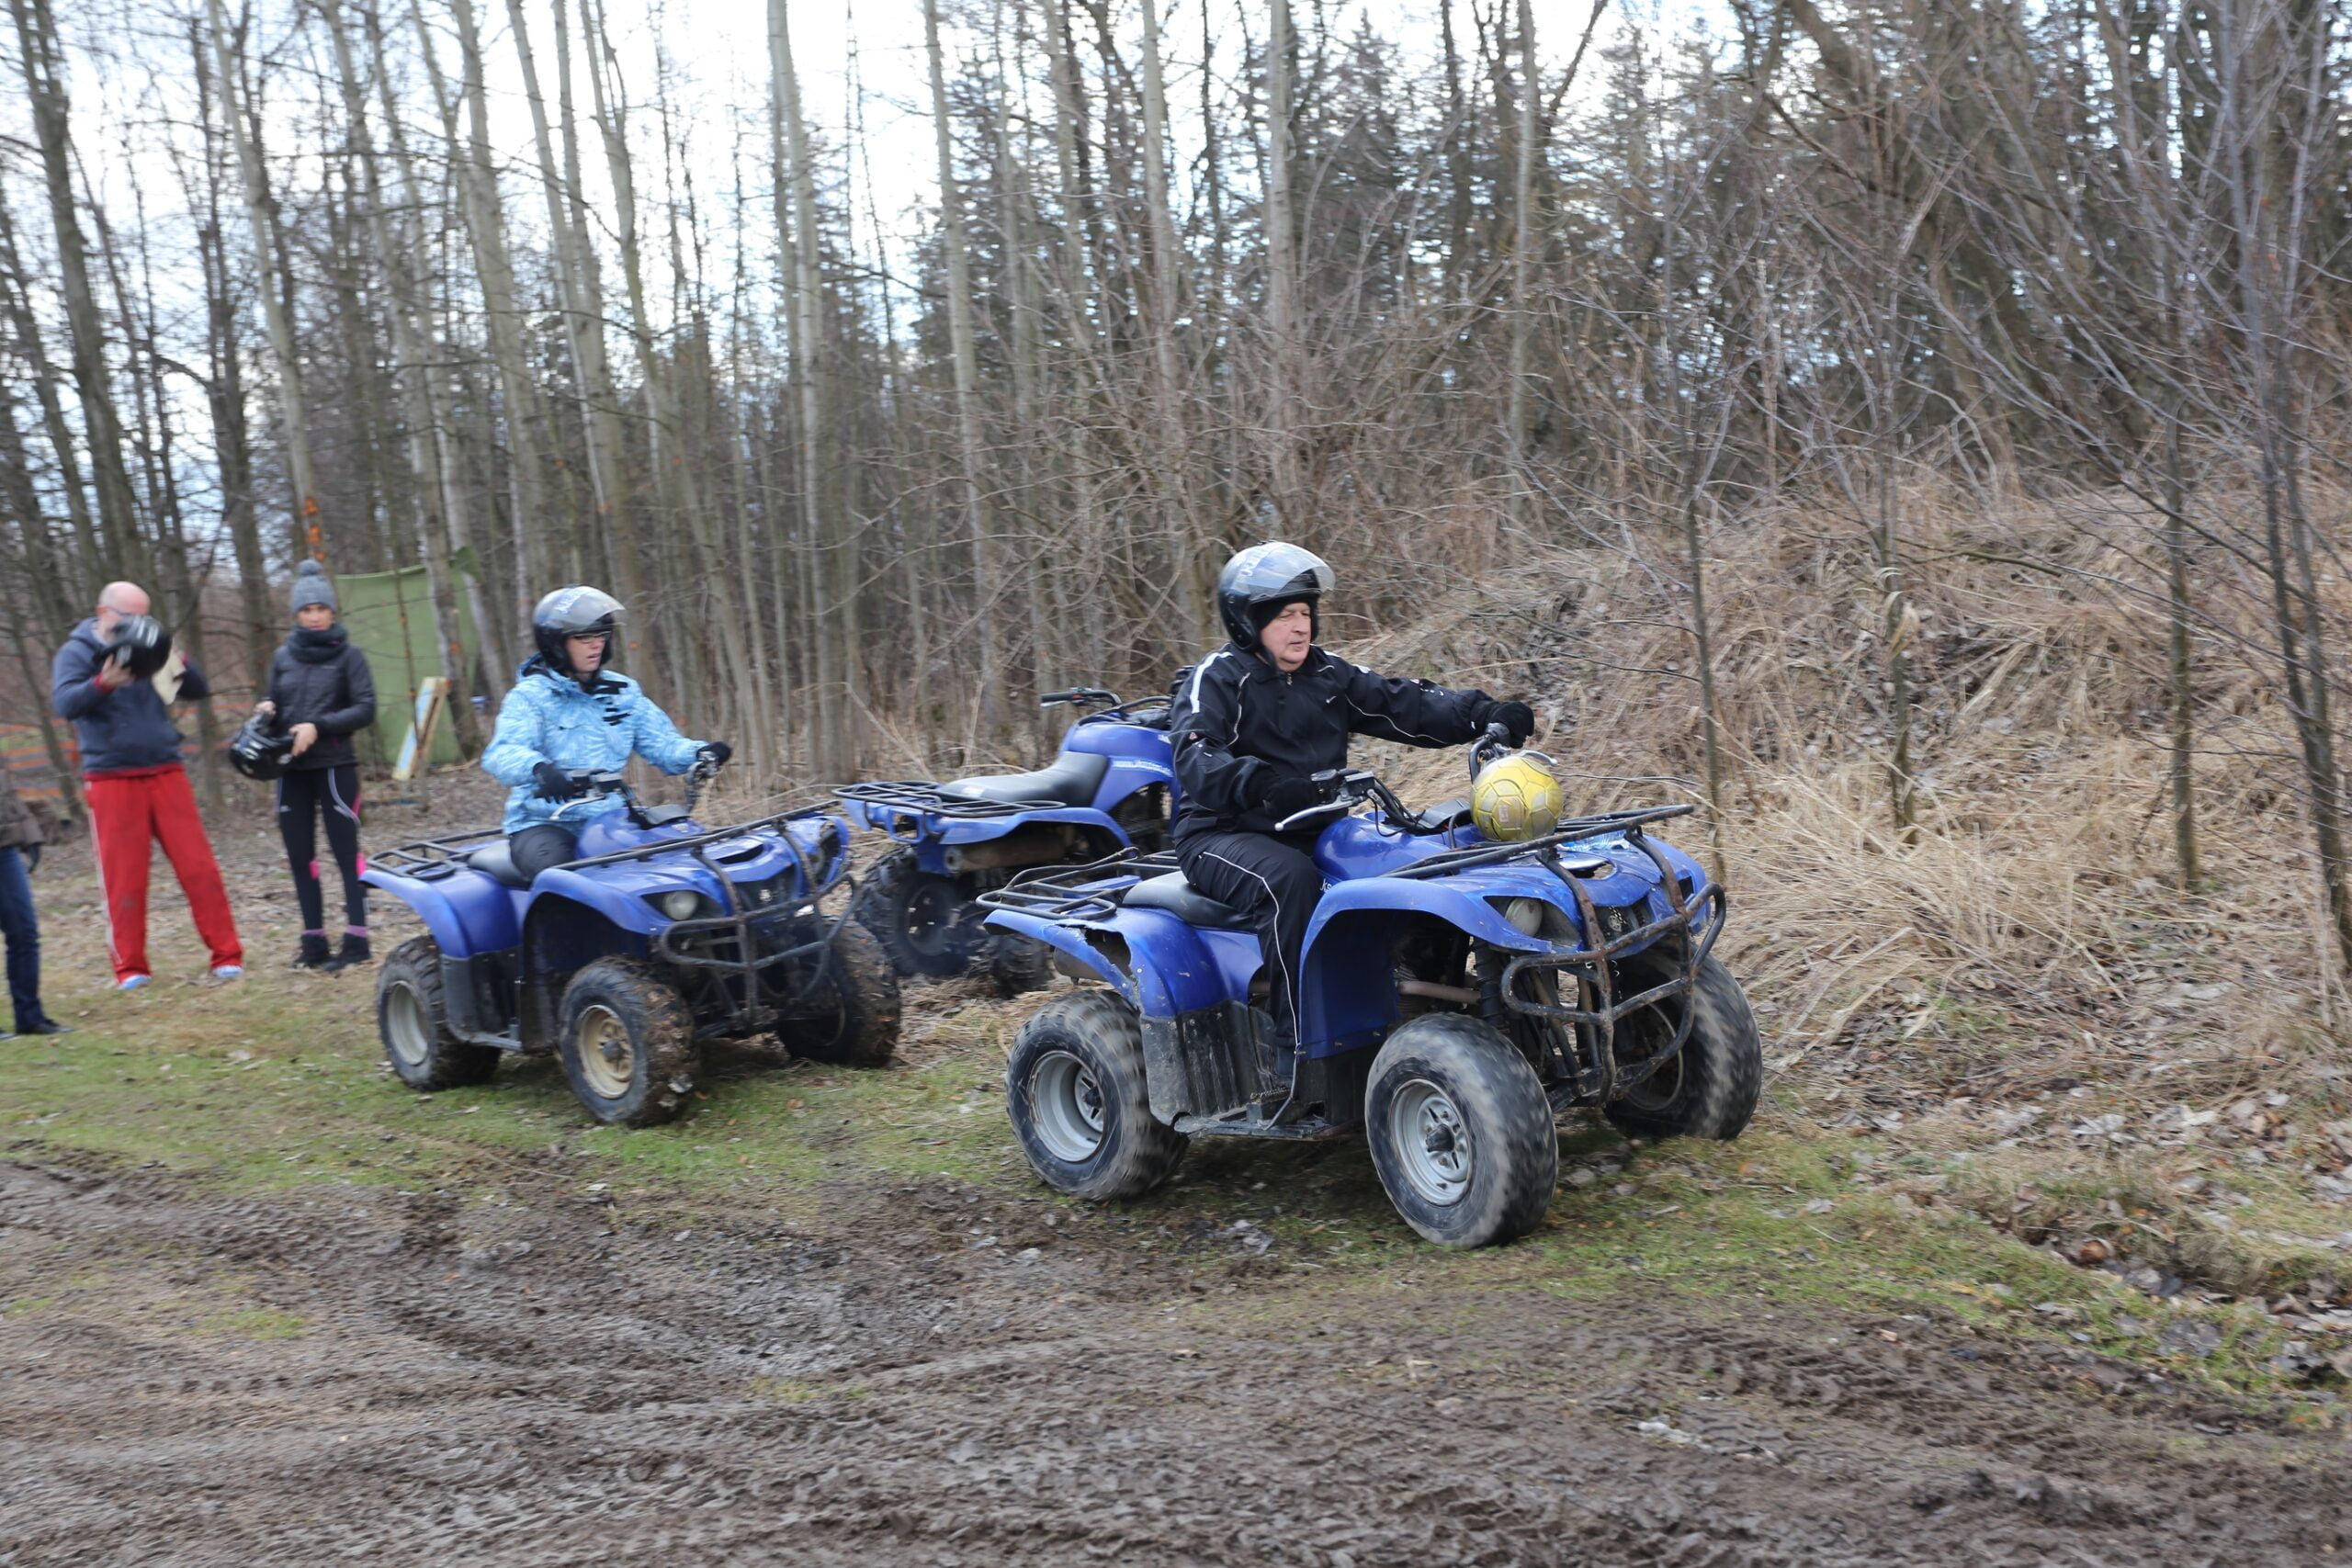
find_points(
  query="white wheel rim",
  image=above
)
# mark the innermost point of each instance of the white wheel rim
(1066, 1107)
(406, 1030)
(607, 1061)
(1431, 1142)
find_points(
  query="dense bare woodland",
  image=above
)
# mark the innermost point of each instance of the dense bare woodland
(1767, 404)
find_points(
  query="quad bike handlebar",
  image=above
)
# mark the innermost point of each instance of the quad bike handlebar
(1344, 789)
(601, 784)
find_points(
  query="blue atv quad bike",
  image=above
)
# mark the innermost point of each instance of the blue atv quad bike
(1456, 996)
(661, 935)
(1111, 788)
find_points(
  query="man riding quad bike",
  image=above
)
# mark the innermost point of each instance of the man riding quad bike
(1448, 981)
(620, 935)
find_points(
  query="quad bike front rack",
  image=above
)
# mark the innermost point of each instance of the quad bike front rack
(1690, 925)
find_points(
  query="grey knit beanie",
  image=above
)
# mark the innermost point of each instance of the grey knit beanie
(310, 587)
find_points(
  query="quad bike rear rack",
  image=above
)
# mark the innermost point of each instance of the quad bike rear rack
(1088, 891)
(897, 808)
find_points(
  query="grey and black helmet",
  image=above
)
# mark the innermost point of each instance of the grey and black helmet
(1262, 579)
(577, 611)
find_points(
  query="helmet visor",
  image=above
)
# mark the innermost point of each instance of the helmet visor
(1265, 574)
(577, 612)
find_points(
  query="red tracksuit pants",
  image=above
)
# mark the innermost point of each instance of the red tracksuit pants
(127, 811)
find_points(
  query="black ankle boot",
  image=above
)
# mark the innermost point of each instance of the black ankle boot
(354, 950)
(312, 953)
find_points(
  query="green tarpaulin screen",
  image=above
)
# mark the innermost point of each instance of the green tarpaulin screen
(389, 615)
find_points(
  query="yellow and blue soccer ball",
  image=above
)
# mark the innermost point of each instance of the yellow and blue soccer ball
(1517, 797)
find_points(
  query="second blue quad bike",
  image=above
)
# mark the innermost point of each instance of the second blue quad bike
(661, 935)
(1456, 996)
(1111, 787)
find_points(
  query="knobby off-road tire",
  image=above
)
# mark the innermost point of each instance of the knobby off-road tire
(921, 920)
(1709, 1090)
(413, 1022)
(627, 1044)
(851, 1018)
(1075, 1090)
(1017, 965)
(1461, 1132)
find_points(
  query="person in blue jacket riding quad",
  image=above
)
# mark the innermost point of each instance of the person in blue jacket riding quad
(1256, 719)
(570, 712)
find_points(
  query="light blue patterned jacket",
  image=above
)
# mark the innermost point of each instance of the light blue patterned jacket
(547, 718)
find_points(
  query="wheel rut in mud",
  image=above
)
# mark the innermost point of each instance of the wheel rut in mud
(192, 1378)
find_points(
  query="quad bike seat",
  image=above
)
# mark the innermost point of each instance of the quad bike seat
(497, 863)
(1071, 780)
(1184, 901)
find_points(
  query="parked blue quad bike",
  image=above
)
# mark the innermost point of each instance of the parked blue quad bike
(1111, 788)
(1456, 996)
(661, 935)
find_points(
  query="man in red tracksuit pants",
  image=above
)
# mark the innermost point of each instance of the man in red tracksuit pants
(132, 778)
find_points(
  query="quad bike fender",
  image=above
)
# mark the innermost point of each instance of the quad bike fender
(1347, 988)
(467, 912)
(1071, 941)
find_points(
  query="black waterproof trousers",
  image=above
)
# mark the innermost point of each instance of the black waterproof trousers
(541, 845)
(1272, 877)
(303, 798)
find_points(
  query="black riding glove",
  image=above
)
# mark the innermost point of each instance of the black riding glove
(557, 785)
(1285, 797)
(716, 752)
(1516, 718)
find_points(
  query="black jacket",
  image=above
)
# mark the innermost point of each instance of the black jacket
(322, 678)
(124, 729)
(1237, 717)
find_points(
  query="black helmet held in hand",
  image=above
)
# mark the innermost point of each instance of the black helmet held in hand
(139, 644)
(577, 611)
(1262, 577)
(259, 753)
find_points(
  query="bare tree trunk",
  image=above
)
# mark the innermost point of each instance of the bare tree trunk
(63, 597)
(101, 424)
(584, 324)
(477, 179)
(309, 530)
(966, 352)
(1519, 447)
(1282, 272)
(413, 358)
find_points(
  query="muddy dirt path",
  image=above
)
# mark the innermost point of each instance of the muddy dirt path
(940, 1376)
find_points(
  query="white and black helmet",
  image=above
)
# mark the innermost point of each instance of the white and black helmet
(1265, 576)
(577, 611)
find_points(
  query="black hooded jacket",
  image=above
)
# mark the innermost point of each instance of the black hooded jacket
(1237, 717)
(322, 678)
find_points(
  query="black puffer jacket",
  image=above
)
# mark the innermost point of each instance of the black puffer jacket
(1236, 715)
(322, 678)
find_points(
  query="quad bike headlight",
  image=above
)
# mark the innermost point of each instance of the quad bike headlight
(682, 903)
(1529, 917)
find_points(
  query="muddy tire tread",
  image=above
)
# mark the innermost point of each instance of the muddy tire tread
(453, 1063)
(1723, 1067)
(864, 977)
(1139, 1153)
(880, 905)
(1518, 1163)
(658, 1021)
